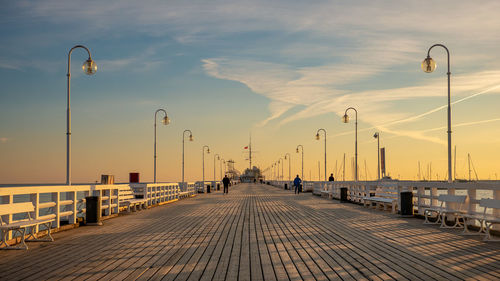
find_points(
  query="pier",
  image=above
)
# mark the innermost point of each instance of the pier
(257, 232)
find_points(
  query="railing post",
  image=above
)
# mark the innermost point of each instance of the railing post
(434, 194)
(7, 199)
(421, 200)
(35, 199)
(471, 200)
(57, 208)
(496, 212)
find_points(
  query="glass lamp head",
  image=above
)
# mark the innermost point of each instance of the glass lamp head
(285, 157)
(376, 135)
(297, 150)
(165, 120)
(317, 138)
(208, 150)
(191, 138)
(89, 67)
(345, 118)
(428, 65)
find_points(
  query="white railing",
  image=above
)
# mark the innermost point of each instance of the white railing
(60, 203)
(202, 186)
(66, 203)
(425, 194)
(156, 193)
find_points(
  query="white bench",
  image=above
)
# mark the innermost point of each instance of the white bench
(21, 226)
(128, 200)
(383, 198)
(486, 221)
(445, 209)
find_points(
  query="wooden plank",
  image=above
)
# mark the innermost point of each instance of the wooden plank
(214, 249)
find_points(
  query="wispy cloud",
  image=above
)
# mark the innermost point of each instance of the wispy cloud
(3, 140)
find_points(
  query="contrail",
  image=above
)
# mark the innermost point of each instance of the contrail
(416, 117)
(440, 107)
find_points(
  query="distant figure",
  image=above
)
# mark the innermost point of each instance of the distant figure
(331, 178)
(226, 182)
(296, 183)
(254, 180)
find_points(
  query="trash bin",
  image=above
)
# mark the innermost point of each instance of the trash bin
(218, 186)
(300, 188)
(208, 188)
(93, 210)
(407, 204)
(343, 194)
(286, 186)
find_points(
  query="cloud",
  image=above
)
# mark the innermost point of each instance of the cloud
(3, 140)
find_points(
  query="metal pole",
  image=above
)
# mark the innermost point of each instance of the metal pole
(215, 164)
(154, 157)
(378, 155)
(355, 142)
(68, 114)
(324, 131)
(289, 166)
(450, 178)
(183, 137)
(203, 161)
(302, 147)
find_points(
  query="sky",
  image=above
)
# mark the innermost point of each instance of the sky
(277, 70)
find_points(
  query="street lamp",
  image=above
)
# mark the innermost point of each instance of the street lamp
(289, 165)
(317, 138)
(203, 160)
(278, 169)
(216, 157)
(377, 136)
(90, 68)
(222, 161)
(297, 150)
(190, 139)
(345, 119)
(282, 164)
(165, 121)
(428, 66)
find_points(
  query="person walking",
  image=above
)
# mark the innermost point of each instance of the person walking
(296, 183)
(225, 182)
(331, 178)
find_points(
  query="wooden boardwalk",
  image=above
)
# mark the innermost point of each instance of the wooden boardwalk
(256, 233)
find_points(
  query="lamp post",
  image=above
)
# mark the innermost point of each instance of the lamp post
(345, 119)
(216, 157)
(203, 160)
(289, 165)
(428, 66)
(377, 136)
(89, 67)
(190, 139)
(222, 161)
(165, 121)
(317, 138)
(297, 150)
(278, 170)
(282, 164)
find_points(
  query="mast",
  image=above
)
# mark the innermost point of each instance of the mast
(455, 163)
(250, 152)
(468, 160)
(343, 169)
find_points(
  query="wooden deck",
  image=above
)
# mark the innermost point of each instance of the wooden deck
(256, 233)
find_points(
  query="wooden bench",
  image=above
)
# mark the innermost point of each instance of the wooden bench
(486, 221)
(129, 201)
(21, 226)
(445, 210)
(383, 198)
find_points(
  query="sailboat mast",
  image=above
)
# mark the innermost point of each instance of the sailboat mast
(250, 152)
